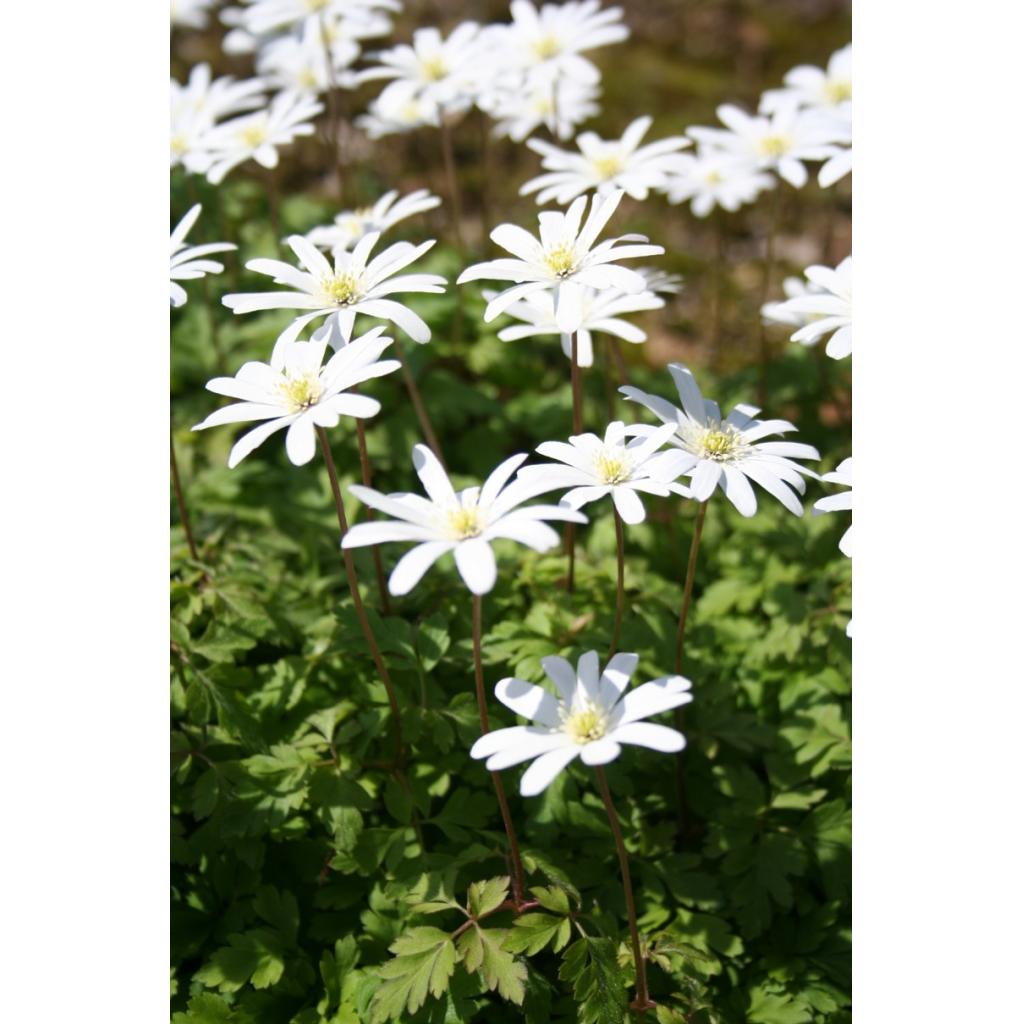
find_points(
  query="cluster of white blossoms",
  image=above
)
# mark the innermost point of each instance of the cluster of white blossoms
(820, 307)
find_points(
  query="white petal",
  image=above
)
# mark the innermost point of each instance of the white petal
(560, 671)
(413, 564)
(738, 490)
(647, 734)
(432, 475)
(615, 677)
(653, 698)
(528, 701)
(628, 505)
(300, 441)
(534, 743)
(587, 669)
(705, 478)
(600, 751)
(546, 769)
(475, 561)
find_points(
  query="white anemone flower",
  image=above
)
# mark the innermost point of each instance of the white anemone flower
(778, 143)
(556, 36)
(400, 108)
(351, 225)
(837, 127)
(602, 312)
(711, 178)
(354, 284)
(295, 390)
(660, 281)
(605, 164)
(299, 62)
(256, 136)
(565, 260)
(190, 13)
(807, 86)
(187, 263)
(263, 16)
(464, 522)
(558, 103)
(594, 468)
(841, 502)
(781, 313)
(828, 310)
(728, 452)
(593, 715)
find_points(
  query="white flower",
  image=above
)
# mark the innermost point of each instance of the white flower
(828, 309)
(400, 108)
(779, 142)
(601, 311)
(187, 264)
(255, 136)
(552, 100)
(295, 391)
(263, 16)
(836, 126)
(661, 282)
(349, 287)
(351, 225)
(808, 86)
(299, 62)
(190, 13)
(729, 452)
(594, 468)
(591, 718)
(842, 474)
(557, 35)
(465, 522)
(713, 178)
(603, 165)
(565, 260)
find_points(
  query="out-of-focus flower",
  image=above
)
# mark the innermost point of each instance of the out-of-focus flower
(808, 86)
(827, 309)
(520, 107)
(187, 263)
(711, 178)
(190, 13)
(262, 16)
(841, 502)
(298, 62)
(400, 108)
(782, 313)
(351, 225)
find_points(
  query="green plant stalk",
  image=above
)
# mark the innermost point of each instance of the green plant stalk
(642, 1003)
(422, 416)
(485, 727)
(179, 496)
(766, 281)
(333, 112)
(367, 478)
(577, 428)
(620, 586)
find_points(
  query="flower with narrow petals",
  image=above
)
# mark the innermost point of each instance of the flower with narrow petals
(549, 99)
(841, 502)
(827, 310)
(565, 260)
(190, 13)
(729, 452)
(263, 16)
(592, 716)
(187, 263)
(400, 108)
(340, 292)
(295, 390)
(602, 312)
(712, 177)
(603, 165)
(806, 86)
(781, 313)
(299, 62)
(594, 468)
(464, 522)
(351, 225)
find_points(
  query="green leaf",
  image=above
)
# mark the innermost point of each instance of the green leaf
(770, 1008)
(532, 932)
(598, 982)
(485, 897)
(552, 898)
(255, 956)
(482, 952)
(423, 962)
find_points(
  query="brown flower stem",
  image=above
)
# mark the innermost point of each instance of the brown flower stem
(577, 428)
(642, 1002)
(452, 181)
(620, 588)
(367, 477)
(333, 113)
(417, 403)
(273, 207)
(485, 727)
(179, 495)
(766, 282)
(353, 586)
(486, 173)
(717, 288)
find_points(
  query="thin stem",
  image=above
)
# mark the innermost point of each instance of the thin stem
(485, 727)
(272, 207)
(353, 586)
(417, 403)
(333, 111)
(367, 476)
(717, 281)
(454, 196)
(620, 589)
(643, 999)
(577, 428)
(179, 495)
(766, 281)
(486, 173)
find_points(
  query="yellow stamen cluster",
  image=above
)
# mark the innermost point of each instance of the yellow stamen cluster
(585, 725)
(434, 69)
(342, 289)
(179, 144)
(561, 259)
(719, 444)
(713, 178)
(316, 5)
(301, 392)
(612, 467)
(465, 522)
(546, 47)
(307, 77)
(254, 135)
(839, 90)
(606, 167)
(774, 145)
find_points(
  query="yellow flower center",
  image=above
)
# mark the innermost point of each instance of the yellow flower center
(254, 135)
(561, 259)
(342, 289)
(585, 724)
(607, 166)
(307, 78)
(713, 177)
(719, 444)
(301, 392)
(179, 144)
(542, 105)
(774, 145)
(612, 467)
(316, 5)
(409, 112)
(839, 90)
(434, 68)
(465, 522)
(546, 47)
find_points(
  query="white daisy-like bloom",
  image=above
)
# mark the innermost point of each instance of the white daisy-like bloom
(263, 16)
(713, 177)
(188, 263)
(603, 165)
(837, 127)
(519, 108)
(779, 142)
(565, 260)
(436, 68)
(400, 108)
(593, 715)
(841, 502)
(296, 390)
(255, 136)
(728, 452)
(464, 522)
(807, 86)
(826, 311)
(299, 62)
(781, 313)
(351, 225)
(660, 281)
(602, 311)
(595, 467)
(353, 284)
(190, 13)
(557, 35)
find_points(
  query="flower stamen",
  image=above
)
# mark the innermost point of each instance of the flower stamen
(561, 259)
(585, 724)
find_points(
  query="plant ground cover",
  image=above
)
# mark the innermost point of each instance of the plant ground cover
(314, 879)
